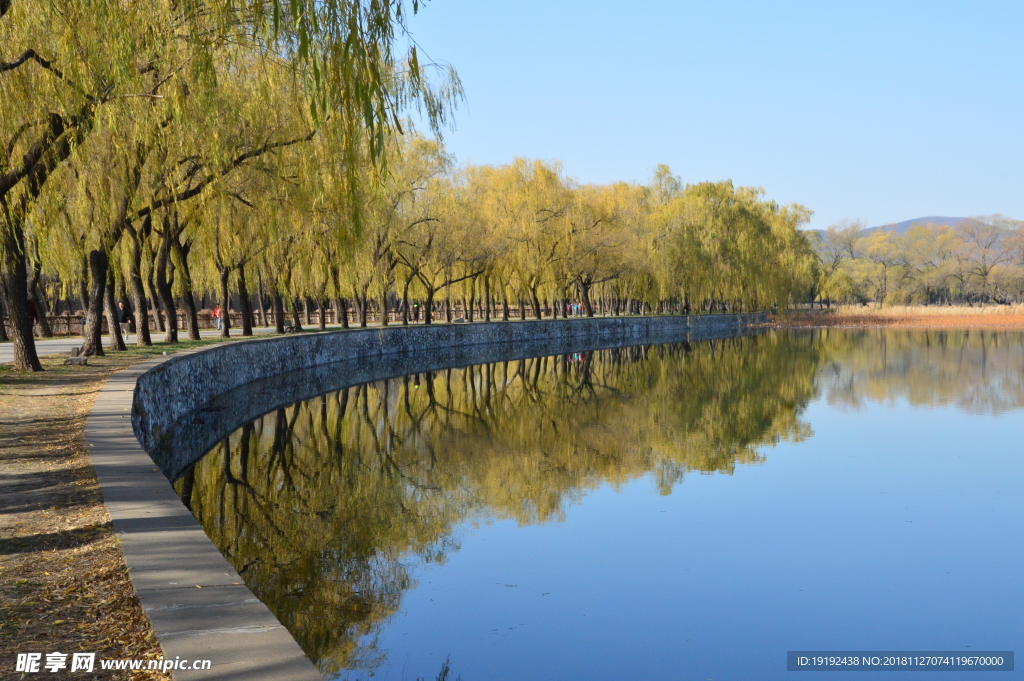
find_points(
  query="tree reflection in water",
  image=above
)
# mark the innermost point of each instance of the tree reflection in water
(979, 371)
(326, 506)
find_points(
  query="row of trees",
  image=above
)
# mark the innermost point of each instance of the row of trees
(520, 240)
(158, 152)
(976, 261)
(510, 241)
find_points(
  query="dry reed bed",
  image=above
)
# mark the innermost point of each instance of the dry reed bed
(919, 316)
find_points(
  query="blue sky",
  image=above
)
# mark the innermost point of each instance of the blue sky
(882, 111)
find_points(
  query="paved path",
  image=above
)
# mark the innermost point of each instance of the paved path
(198, 604)
(54, 346)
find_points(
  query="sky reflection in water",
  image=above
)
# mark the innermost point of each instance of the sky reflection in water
(545, 519)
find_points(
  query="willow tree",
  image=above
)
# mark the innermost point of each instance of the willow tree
(417, 207)
(727, 247)
(526, 202)
(605, 225)
(62, 62)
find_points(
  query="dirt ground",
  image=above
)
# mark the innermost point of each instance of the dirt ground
(64, 586)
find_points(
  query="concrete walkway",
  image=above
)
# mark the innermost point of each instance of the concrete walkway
(198, 605)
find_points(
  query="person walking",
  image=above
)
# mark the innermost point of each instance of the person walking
(124, 318)
(217, 314)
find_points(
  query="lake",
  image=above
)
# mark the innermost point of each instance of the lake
(680, 511)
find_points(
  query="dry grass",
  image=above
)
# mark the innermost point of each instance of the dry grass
(64, 586)
(931, 310)
(910, 316)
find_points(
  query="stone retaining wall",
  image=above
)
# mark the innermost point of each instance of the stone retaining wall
(186, 383)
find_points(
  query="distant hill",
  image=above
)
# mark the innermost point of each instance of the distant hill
(900, 227)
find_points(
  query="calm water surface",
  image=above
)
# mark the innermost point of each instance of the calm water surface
(686, 511)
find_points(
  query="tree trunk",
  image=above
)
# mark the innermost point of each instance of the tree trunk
(225, 297)
(154, 299)
(260, 295)
(504, 306)
(15, 284)
(93, 345)
(296, 321)
(187, 298)
(278, 313)
(141, 311)
(384, 309)
(487, 299)
(306, 311)
(39, 298)
(322, 321)
(164, 288)
(405, 300)
(343, 312)
(428, 307)
(116, 339)
(244, 301)
(448, 309)
(585, 295)
(83, 289)
(361, 304)
(336, 308)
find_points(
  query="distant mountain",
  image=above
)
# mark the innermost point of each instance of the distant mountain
(900, 227)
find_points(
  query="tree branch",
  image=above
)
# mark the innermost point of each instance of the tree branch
(458, 279)
(48, 65)
(18, 133)
(239, 160)
(10, 66)
(53, 146)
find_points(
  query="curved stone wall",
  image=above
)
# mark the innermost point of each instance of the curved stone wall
(187, 382)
